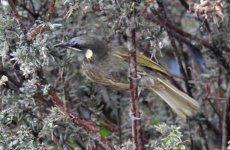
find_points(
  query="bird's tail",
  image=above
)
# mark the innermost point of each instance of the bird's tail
(184, 105)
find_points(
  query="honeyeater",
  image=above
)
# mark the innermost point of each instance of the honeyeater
(108, 66)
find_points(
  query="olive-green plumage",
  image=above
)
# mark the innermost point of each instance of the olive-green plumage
(108, 66)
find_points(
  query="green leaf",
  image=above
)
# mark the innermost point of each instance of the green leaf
(155, 120)
(72, 142)
(104, 132)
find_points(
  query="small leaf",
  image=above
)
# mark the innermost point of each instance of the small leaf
(72, 142)
(104, 132)
(155, 120)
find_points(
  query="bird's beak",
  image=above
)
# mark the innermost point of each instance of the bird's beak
(67, 45)
(63, 45)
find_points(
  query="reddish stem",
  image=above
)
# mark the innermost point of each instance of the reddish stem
(136, 122)
(86, 125)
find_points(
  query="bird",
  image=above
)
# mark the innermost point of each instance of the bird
(108, 65)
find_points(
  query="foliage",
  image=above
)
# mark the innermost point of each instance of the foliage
(171, 137)
(34, 75)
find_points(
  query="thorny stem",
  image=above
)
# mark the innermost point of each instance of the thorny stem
(86, 125)
(136, 122)
(17, 16)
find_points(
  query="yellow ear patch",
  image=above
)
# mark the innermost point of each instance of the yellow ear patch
(89, 54)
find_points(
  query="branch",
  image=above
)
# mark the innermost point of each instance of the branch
(78, 121)
(51, 8)
(17, 16)
(225, 121)
(185, 4)
(131, 44)
(86, 125)
(153, 16)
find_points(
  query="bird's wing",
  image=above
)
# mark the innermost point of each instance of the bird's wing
(102, 78)
(180, 102)
(142, 60)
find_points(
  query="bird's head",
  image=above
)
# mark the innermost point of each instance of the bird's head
(91, 47)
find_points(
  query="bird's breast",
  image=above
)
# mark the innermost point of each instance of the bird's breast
(106, 70)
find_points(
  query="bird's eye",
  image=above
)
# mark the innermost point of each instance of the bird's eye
(77, 46)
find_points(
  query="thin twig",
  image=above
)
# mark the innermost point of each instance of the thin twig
(179, 60)
(86, 125)
(226, 115)
(51, 8)
(224, 127)
(185, 4)
(178, 33)
(214, 108)
(32, 4)
(202, 132)
(17, 16)
(136, 122)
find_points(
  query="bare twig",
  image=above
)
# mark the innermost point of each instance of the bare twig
(51, 8)
(177, 55)
(185, 4)
(214, 108)
(86, 125)
(225, 125)
(202, 132)
(17, 16)
(185, 36)
(30, 35)
(136, 122)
